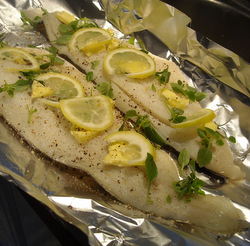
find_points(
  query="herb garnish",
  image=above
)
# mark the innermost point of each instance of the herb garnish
(29, 22)
(89, 76)
(183, 158)
(207, 136)
(106, 89)
(191, 185)
(68, 30)
(142, 122)
(188, 91)
(19, 85)
(152, 172)
(131, 40)
(95, 63)
(176, 114)
(31, 111)
(53, 58)
(163, 76)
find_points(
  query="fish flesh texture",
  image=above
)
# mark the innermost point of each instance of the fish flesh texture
(137, 94)
(49, 132)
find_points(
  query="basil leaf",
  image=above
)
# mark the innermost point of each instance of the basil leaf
(183, 158)
(204, 156)
(152, 172)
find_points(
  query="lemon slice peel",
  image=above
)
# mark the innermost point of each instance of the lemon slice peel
(18, 60)
(132, 62)
(94, 113)
(128, 148)
(90, 40)
(63, 87)
(199, 117)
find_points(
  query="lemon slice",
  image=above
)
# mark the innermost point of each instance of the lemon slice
(57, 86)
(174, 100)
(16, 59)
(134, 63)
(82, 136)
(128, 148)
(201, 116)
(91, 113)
(90, 40)
(65, 17)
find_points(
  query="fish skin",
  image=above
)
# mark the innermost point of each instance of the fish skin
(223, 159)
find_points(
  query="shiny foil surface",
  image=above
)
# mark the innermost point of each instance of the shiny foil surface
(72, 194)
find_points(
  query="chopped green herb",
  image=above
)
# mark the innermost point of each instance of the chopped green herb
(20, 85)
(95, 63)
(163, 76)
(189, 186)
(168, 199)
(31, 111)
(153, 87)
(191, 93)
(177, 115)
(31, 22)
(89, 76)
(152, 172)
(144, 51)
(106, 89)
(53, 58)
(207, 136)
(131, 40)
(68, 30)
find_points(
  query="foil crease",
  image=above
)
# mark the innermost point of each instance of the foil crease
(74, 195)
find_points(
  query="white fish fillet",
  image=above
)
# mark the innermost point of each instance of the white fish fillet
(49, 132)
(137, 94)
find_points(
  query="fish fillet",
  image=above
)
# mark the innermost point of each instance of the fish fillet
(137, 94)
(49, 131)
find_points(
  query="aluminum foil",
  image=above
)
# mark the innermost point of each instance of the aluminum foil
(74, 195)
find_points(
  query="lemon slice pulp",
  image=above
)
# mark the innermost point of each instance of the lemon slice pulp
(18, 60)
(201, 116)
(90, 40)
(132, 62)
(93, 113)
(128, 148)
(57, 86)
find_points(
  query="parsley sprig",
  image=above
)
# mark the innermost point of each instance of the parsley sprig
(27, 22)
(31, 111)
(163, 76)
(19, 85)
(53, 58)
(106, 89)
(68, 30)
(190, 92)
(191, 185)
(208, 136)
